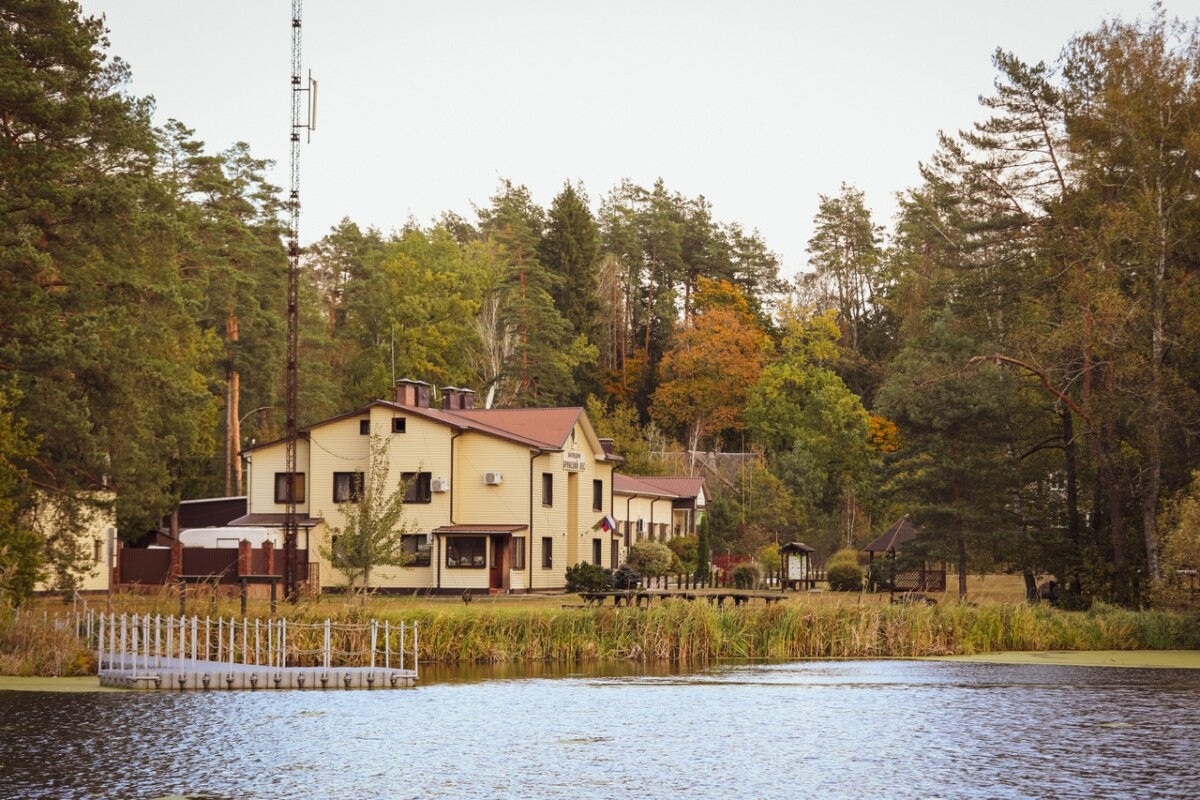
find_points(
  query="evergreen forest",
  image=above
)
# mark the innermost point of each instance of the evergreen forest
(1014, 362)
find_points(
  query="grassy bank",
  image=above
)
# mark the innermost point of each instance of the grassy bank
(683, 631)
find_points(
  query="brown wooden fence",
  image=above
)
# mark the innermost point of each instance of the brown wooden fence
(151, 566)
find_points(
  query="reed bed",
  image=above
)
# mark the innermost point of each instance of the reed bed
(679, 631)
(31, 644)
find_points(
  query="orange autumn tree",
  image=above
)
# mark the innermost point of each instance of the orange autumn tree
(714, 360)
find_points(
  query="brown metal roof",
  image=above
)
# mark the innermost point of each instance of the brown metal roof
(540, 428)
(797, 547)
(637, 484)
(681, 486)
(549, 427)
(482, 528)
(900, 533)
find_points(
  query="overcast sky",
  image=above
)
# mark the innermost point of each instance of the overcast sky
(424, 106)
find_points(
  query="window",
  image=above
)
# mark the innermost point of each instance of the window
(398, 424)
(97, 550)
(596, 552)
(547, 489)
(289, 485)
(466, 551)
(417, 550)
(337, 555)
(420, 487)
(597, 495)
(518, 554)
(364, 427)
(347, 487)
(547, 552)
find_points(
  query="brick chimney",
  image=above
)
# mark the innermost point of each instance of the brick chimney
(412, 393)
(457, 399)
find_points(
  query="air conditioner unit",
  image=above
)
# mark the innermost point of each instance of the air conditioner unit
(439, 485)
(493, 478)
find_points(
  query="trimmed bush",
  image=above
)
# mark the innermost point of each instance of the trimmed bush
(745, 576)
(585, 577)
(625, 578)
(649, 558)
(844, 576)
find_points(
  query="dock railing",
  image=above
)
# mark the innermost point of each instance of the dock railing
(146, 641)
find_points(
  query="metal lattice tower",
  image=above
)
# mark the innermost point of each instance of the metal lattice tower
(291, 523)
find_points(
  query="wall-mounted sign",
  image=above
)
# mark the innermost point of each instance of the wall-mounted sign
(573, 460)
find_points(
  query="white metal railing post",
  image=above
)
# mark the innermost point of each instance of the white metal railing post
(220, 639)
(257, 658)
(283, 645)
(374, 636)
(170, 638)
(387, 645)
(245, 641)
(157, 641)
(327, 644)
(416, 659)
(232, 641)
(195, 626)
(402, 638)
(122, 648)
(100, 646)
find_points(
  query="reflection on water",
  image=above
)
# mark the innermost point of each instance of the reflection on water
(813, 729)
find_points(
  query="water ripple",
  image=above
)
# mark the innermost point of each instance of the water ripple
(839, 729)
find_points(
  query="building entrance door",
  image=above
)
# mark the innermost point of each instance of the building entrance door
(498, 578)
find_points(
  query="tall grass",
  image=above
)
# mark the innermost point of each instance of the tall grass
(683, 631)
(32, 646)
(674, 630)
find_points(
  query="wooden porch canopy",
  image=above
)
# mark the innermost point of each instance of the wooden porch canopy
(484, 528)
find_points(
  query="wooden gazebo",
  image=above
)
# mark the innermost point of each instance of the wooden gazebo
(919, 577)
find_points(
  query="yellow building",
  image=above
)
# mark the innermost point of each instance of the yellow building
(498, 499)
(658, 508)
(84, 538)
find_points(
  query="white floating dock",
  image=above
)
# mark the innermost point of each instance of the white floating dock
(193, 654)
(216, 676)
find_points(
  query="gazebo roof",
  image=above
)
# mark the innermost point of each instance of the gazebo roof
(797, 547)
(900, 533)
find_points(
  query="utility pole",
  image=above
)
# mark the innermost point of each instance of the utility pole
(291, 522)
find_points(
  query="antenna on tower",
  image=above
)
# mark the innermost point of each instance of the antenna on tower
(294, 488)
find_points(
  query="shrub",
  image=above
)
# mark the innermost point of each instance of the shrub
(745, 576)
(844, 576)
(625, 578)
(769, 558)
(649, 558)
(846, 555)
(585, 577)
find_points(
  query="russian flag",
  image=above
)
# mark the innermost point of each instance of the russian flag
(607, 523)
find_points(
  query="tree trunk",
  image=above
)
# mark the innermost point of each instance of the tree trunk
(1031, 590)
(232, 417)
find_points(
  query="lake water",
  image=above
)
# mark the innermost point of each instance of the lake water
(818, 729)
